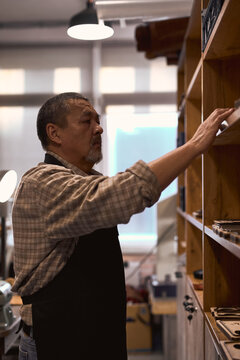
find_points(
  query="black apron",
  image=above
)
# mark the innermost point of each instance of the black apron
(81, 313)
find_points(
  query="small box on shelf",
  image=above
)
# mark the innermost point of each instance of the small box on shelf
(182, 204)
(181, 138)
(209, 18)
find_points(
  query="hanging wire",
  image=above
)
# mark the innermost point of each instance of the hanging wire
(151, 251)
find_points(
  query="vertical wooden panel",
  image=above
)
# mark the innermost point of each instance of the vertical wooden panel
(181, 234)
(194, 248)
(193, 56)
(194, 171)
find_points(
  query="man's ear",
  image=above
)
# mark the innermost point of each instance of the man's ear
(52, 131)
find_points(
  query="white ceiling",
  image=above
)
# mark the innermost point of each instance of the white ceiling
(35, 22)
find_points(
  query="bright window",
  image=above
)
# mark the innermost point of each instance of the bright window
(20, 147)
(163, 77)
(11, 81)
(67, 79)
(117, 80)
(11, 121)
(132, 137)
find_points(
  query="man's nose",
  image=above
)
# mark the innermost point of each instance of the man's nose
(98, 129)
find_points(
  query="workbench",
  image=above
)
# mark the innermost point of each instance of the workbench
(167, 309)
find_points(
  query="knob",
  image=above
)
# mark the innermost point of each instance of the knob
(191, 309)
(187, 303)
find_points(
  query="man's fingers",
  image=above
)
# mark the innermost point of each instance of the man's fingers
(222, 114)
(226, 111)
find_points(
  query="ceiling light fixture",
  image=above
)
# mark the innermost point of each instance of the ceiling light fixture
(86, 26)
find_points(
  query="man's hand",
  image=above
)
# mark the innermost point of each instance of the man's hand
(169, 166)
(206, 132)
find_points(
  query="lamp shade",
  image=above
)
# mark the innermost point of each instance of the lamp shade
(85, 25)
(8, 182)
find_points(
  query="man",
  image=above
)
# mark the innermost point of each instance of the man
(68, 262)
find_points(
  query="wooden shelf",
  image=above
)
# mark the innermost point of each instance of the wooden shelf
(191, 219)
(180, 212)
(224, 40)
(231, 135)
(209, 80)
(226, 244)
(216, 332)
(195, 221)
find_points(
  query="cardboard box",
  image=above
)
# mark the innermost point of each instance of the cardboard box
(139, 331)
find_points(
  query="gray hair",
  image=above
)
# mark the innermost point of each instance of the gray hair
(54, 110)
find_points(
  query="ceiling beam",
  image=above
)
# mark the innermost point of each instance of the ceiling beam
(112, 9)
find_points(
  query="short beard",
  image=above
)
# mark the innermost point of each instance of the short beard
(95, 156)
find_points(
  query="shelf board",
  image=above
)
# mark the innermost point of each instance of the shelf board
(193, 220)
(180, 212)
(231, 135)
(224, 40)
(197, 222)
(227, 244)
(216, 332)
(194, 88)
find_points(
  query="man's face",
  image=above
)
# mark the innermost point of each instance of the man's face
(81, 138)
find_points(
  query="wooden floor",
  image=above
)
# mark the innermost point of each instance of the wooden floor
(143, 356)
(153, 356)
(13, 355)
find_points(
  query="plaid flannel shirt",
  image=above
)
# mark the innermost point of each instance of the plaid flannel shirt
(54, 205)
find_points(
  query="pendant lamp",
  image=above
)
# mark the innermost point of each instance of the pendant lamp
(85, 25)
(8, 181)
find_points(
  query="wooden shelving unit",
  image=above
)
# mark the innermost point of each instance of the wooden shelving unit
(207, 80)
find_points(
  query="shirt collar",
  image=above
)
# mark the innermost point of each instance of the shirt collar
(74, 168)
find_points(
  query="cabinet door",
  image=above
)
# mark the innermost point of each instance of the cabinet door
(194, 330)
(210, 349)
(181, 315)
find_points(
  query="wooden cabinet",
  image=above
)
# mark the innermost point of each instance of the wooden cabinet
(194, 327)
(210, 188)
(210, 349)
(181, 314)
